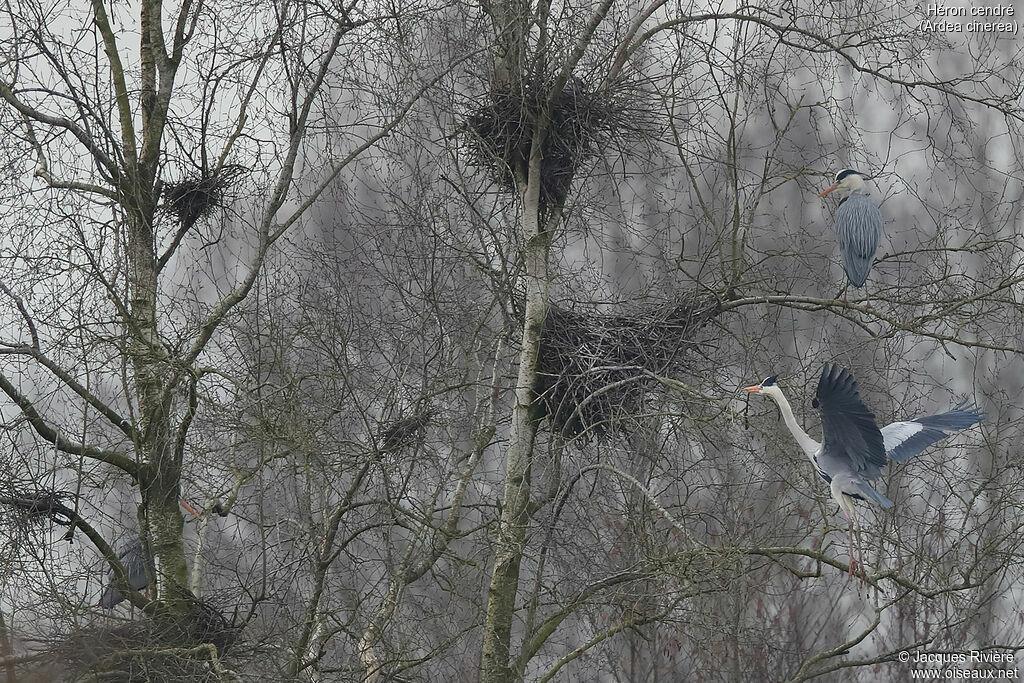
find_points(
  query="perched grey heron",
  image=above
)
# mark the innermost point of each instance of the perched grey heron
(137, 565)
(858, 225)
(855, 449)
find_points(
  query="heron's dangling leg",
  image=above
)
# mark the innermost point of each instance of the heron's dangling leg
(867, 299)
(849, 520)
(860, 551)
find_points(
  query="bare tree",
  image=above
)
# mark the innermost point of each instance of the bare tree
(161, 174)
(447, 308)
(730, 76)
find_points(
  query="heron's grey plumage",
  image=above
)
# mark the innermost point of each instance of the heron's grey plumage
(858, 225)
(904, 440)
(133, 559)
(853, 451)
(859, 228)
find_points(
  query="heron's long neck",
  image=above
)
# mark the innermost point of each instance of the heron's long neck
(807, 444)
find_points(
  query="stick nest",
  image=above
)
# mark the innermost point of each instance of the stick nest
(29, 504)
(405, 432)
(583, 121)
(194, 198)
(595, 370)
(189, 650)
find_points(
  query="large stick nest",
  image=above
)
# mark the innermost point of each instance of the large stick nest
(582, 121)
(28, 504)
(596, 370)
(191, 199)
(405, 432)
(190, 649)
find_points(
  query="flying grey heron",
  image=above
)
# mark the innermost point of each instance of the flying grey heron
(858, 225)
(855, 449)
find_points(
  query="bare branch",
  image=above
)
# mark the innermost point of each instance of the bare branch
(62, 444)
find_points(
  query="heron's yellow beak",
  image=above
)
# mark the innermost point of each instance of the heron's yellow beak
(834, 186)
(756, 389)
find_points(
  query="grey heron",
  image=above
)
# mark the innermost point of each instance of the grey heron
(854, 449)
(858, 225)
(139, 566)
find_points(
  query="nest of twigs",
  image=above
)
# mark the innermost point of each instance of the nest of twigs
(29, 504)
(583, 120)
(194, 198)
(405, 432)
(596, 370)
(191, 650)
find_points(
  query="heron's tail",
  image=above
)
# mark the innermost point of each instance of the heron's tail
(857, 270)
(873, 495)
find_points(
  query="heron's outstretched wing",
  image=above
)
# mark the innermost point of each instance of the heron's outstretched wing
(852, 439)
(859, 229)
(904, 440)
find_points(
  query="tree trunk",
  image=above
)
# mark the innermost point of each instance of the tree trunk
(160, 482)
(501, 595)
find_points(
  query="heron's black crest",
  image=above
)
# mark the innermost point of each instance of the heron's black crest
(846, 172)
(769, 381)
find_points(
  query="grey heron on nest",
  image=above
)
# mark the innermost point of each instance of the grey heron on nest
(854, 449)
(138, 565)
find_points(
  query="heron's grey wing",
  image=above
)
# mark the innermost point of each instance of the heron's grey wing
(133, 559)
(138, 564)
(851, 437)
(111, 597)
(903, 440)
(859, 228)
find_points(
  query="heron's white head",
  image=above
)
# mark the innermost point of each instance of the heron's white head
(847, 182)
(767, 387)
